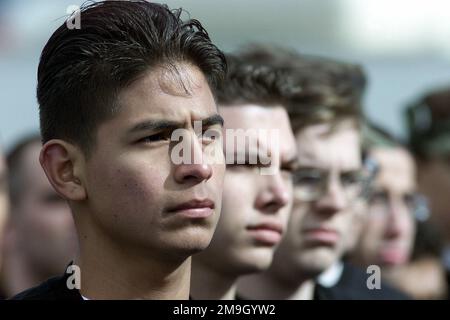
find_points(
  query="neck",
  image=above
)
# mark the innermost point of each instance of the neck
(268, 285)
(209, 283)
(110, 270)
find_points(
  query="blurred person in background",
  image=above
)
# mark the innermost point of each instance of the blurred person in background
(329, 186)
(40, 236)
(388, 233)
(4, 210)
(424, 277)
(428, 123)
(255, 206)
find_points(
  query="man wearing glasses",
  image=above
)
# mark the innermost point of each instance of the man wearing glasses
(329, 187)
(388, 235)
(395, 212)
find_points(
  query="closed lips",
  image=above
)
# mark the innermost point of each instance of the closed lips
(193, 204)
(322, 235)
(195, 209)
(268, 234)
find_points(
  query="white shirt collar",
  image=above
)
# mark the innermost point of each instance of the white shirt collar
(330, 277)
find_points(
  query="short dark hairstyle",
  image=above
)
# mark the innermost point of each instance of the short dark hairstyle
(248, 82)
(14, 160)
(428, 124)
(313, 89)
(82, 71)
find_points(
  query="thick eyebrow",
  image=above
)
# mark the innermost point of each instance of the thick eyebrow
(302, 167)
(343, 172)
(290, 163)
(212, 120)
(351, 171)
(158, 125)
(155, 125)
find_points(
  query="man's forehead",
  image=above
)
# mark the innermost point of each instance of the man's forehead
(253, 116)
(178, 79)
(393, 158)
(168, 95)
(259, 122)
(319, 147)
(396, 167)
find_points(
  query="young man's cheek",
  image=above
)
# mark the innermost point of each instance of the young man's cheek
(127, 183)
(216, 160)
(219, 178)
(240, 193)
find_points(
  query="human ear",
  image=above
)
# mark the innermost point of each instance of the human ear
(63, 164)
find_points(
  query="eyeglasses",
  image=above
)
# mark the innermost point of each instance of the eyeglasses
(415, 203)
(310, 184)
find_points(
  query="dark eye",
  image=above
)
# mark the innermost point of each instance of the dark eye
(307, 178)
(156, 137)
(289, 167)
(378, 197)
(247, 163)
(210, 135)
(351, 178)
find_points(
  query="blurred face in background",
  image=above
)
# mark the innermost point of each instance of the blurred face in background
(388, 235)
(255, 207)
(326, 187)
(4, 199)
(433, 178)
(42, 227)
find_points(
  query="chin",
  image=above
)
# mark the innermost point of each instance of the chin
(196, 240)
(184, 250)
(319, 260)
(257, 260)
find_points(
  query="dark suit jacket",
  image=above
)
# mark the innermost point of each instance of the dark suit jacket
(352, 285)
(52, 289)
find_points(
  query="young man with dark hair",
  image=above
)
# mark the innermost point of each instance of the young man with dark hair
(40, 237)
(256, 204)
(329, 184)
(111, 96)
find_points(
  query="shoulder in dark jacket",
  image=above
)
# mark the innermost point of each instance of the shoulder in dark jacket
(53, 289)
(353, 286)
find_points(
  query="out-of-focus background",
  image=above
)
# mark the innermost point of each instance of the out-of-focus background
(403, 45)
